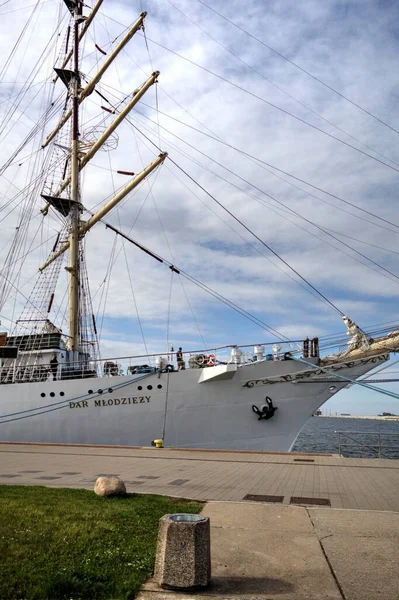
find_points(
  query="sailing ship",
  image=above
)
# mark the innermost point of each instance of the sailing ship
(55, 387)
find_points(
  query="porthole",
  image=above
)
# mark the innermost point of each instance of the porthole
(90, 392)
(159, 386)
(43, 395)
(100, 391)
(140, 387)
(110, 390)
(62, 394)
(52, 394)
(149, 387)
(332, 388)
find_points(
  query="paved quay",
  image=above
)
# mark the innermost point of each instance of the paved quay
(286, 478)
(266, 552)
(268, 538)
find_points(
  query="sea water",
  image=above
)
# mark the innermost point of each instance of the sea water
(319, 435)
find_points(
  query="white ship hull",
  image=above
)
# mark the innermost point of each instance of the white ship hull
(181, 407)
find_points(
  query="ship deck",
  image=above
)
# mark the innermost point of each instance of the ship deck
(284, 478)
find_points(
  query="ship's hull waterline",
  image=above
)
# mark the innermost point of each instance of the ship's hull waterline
(134, 410)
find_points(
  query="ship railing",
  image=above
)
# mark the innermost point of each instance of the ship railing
(19, 371)
(379, 444)
(192, 359)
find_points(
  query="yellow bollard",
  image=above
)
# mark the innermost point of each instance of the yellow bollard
(157, 443)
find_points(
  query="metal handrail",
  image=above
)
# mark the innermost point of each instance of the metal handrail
(21, 369)
(377, 447)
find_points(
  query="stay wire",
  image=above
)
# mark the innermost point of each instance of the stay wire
(204, 287)
(282, 90)
(211, 291)
(297, 214)
(330, 371)
(255, 248)
(262, 162)
(279, 108)
(248, 229)
(299, 67)
(192, 312)
(45, 53)
(317, 296)
(259, 239)
(19, 39)
(288, 209)
(128, 268)
(169, 307)
(167, 242)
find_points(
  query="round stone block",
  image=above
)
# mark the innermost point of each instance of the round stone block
(183, 559)
(109, 486)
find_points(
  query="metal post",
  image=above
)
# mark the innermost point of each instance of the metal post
(379, 445)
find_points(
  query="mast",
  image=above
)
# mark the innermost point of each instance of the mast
(71, 207)
(73, 268)
(104, 210)
(85, 27)
(91, 85)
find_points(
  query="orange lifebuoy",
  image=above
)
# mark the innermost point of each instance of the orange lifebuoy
(211, 360)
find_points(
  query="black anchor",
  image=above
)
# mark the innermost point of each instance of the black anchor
(266, 411)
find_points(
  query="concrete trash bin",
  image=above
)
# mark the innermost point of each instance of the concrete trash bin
(183, 559)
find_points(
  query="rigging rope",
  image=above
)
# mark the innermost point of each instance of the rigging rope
(319, 293)
(347, 379)
(262, 162)
(127, 266)
(167, 346)
(259, 239)
(288, 209)
(168, 312)
(299, 67)
(277, 86)
(248, 229)
(257, 161)
(203, 286)
(279, 108)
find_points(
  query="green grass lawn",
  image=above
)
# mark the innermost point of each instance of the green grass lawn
(71, 544)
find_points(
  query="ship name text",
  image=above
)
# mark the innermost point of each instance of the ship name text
(111, 401)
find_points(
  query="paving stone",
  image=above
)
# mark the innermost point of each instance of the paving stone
(366, 567)
(31, 471)
(347, 483)
(356, 523)
(258, 517)
(179, 481)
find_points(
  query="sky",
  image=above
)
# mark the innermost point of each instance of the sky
(250, 105)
